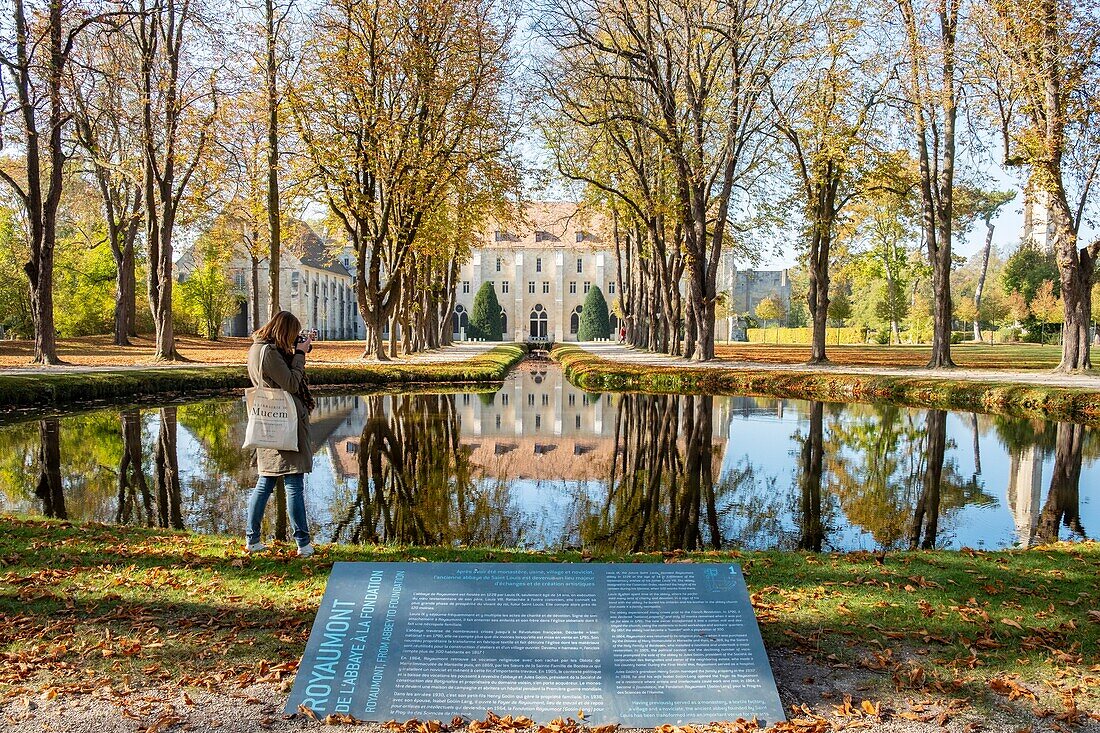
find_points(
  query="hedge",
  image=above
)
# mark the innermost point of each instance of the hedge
(803, 336)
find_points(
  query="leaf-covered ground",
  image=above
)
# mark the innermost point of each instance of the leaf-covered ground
(912, 638)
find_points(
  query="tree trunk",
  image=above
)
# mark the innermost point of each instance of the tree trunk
(980, 288)
(1076, 267)
(124, 295)
(818, 296)
(255, 305)
(274, 222)
(41, 205)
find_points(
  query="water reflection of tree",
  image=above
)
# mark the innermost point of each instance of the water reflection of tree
(416, 485)
(661, 493)
(1030, 442)
(135, 500)
(811, 534)
(49, 489)
(1063, 504)
(217, 491)
(166, 472)
(926, 516)
(889, 472)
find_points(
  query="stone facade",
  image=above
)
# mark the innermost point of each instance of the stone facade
(541, 272)
(543, 268)
(317, 285)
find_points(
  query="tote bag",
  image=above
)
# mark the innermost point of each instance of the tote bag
(272, 417)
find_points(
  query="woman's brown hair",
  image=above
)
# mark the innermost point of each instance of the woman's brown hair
(281, 330)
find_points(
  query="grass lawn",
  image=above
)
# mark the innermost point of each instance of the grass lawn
(51, 389)
(92, 605)
(1051, 402)
(976, 356)
(101, 351)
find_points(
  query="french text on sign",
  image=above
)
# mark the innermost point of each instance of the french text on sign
(635, 644)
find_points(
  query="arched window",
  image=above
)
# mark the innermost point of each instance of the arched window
(575, 320)
(539, 320)
(460, 320)
(504, 324)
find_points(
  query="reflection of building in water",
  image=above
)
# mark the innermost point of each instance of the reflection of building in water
(1025, 489)
(539, 426)
(337, 421)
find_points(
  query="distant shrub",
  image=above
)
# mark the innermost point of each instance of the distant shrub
(485, 316)
(595, 321)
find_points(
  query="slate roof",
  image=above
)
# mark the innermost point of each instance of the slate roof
(312, 251)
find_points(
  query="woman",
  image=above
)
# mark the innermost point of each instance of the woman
(278, 359)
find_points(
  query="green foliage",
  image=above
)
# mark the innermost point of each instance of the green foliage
(84, 288)
(1028, 268)
(770, 309)
(485, 316)
(892, 304)
(206, 297)
(595, 322)
(15, 302)
(840, 307)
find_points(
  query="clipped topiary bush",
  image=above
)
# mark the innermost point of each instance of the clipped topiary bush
(485, 317)
(595, 320)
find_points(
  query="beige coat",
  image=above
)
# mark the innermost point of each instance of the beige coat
(274, 372)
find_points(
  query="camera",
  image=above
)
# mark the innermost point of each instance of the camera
(302, 337)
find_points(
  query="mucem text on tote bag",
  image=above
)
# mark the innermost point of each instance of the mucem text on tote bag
(272, 417)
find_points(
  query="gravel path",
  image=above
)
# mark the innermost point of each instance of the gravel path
(258, 708)
(622, 354)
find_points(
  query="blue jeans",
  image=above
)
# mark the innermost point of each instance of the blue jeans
(295, 507)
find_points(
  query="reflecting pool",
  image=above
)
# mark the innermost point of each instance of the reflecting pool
(542, 464)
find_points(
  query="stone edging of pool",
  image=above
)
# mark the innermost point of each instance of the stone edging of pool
(596, 374)
(52, 390)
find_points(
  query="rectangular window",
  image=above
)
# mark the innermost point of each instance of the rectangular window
(611, 288)
(580, 265)
(538, 425)
(504, 399)
(538, 264)
(545, 288)
(499, 263)
(587, 287)
(578, 422)
(498, 422)
(295, 283)
(239, 277)
(572, 399)
(466, 286)
(531, 400)
(531, 287)
(504, 286)
(572, 288)
(545, 400)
